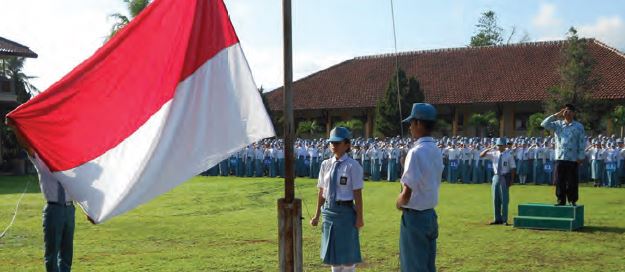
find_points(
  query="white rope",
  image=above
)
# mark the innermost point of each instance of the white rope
(15, 212)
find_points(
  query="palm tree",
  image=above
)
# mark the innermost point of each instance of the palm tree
(533, 124)
(134, 8)
(353, 125)
(480, 121)
(618, 117)
(307, 128)
(13, 70)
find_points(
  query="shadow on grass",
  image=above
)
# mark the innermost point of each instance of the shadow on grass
(603, 229)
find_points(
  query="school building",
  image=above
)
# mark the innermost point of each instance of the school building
(510, 80)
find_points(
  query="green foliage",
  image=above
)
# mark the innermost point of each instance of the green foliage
(13, 69)
(618, 117)
(488, 31)
(134, 8)
(230, 224)
(577, 83)
(355, 126)
(533, 124)
(307, 128)
(443, 127)
(387, 117)
(486, 121)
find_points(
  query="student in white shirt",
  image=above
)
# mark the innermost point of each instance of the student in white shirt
(420, 181)
(339, 202)
(504, 168)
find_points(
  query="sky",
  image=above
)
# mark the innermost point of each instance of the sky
(325, 32)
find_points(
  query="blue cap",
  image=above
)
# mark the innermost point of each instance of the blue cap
(339, 134)
(422, 111)
(501, 141)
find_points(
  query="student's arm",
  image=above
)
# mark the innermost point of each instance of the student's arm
(403, 197)
(549, 122)
(485, 152)
(320, 200)
(360, 222)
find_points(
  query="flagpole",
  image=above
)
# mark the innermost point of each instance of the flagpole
(289, 208)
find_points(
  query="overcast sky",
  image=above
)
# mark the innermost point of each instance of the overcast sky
(326, 32)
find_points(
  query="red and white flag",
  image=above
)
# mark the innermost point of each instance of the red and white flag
(168, 97)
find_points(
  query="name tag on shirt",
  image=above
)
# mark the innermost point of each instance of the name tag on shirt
(343, 181)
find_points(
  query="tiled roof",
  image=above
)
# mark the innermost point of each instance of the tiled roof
(11, 48)
(491, 74)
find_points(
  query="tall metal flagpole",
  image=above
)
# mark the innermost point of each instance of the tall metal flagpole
(401, 125)
(289, 208)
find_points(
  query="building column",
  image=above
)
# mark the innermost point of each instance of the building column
(328, 125)
(369, 125)
(454, 124)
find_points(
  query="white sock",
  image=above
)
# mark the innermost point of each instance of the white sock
(337, 268)
(349, 268)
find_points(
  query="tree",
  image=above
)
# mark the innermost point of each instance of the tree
(308, 128)
(134, 8)
(488, 31)
(354, 125)
(13, 70)
(443, 127)
(576, 83)
(387, 117)
(533, 123)
(618, 117)
(480, 121)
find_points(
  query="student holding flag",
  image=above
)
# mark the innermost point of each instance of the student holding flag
(339, 202)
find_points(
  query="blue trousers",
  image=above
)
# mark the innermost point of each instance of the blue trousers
(530, 171)
(240, 170)
(366, 167)
(259, 168)
(273, 172)
(417, 240)
(249, 167)
(452, 172)
(539, 172)
(280, 167)
(391, 174)
(465, 167)
(224, 170)
(476, 176)
(315, 164)
(375, 170)
(501, 197)
(58, 236)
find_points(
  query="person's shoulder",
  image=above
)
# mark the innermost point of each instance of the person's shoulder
(578, 125)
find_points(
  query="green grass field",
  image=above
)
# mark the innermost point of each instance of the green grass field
(229, 224)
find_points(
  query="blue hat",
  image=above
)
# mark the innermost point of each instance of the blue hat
(501, 141)
(339, 134)
(422, 111)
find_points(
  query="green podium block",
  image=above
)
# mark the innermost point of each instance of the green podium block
(550, 217)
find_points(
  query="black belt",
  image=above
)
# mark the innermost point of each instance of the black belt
(415, 211)
(345, 203)
(66, 204)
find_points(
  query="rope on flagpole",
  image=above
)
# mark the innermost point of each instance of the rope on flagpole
(16, 209)
(401, 127)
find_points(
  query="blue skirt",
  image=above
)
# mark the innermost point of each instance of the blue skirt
(522, 168)
(340, 243)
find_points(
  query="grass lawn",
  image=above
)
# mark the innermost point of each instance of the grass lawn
(229, 224)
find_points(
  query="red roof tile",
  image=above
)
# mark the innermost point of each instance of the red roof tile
(508, 73)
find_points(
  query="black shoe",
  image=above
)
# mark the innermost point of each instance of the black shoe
(560, 204)
(573, 204)
(495, 223)
(506, 224)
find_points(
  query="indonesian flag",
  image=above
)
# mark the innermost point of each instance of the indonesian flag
(168, 97)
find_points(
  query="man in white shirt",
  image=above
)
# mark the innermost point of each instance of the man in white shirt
(419, 196)
(504, 169)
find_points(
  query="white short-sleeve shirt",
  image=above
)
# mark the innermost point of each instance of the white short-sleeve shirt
(422, 174)
(507, 161)
(349, 178)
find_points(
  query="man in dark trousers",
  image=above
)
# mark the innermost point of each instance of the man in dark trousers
(569, 152)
